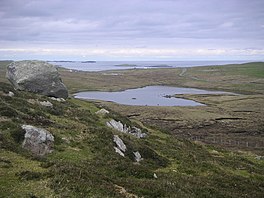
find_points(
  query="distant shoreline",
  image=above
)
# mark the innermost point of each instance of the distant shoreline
(95, 66)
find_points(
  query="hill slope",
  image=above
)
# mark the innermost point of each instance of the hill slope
(85, 164)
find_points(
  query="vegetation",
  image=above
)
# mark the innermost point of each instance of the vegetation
(85, 164)
(240, 78)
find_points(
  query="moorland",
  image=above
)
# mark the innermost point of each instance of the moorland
(206, 151)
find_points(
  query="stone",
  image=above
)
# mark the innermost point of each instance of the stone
(58, 99)
(119, 126)
(32, 101)
(119, 142)
(259, 157)
(46, 103)
(102, 112)
(137, 132)
(37, 77)
(138, 157)
(37, 140)
(117, 150)
(116, 125)
(10, 94)
(121, 147)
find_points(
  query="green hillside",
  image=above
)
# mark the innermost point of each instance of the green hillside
(84, 163)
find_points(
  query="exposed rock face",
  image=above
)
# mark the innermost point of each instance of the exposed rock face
(38, 141)
(126, 129)
(38, 77)
(121, 147)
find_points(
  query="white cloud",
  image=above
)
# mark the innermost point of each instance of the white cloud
(117, 27)
(136, 52)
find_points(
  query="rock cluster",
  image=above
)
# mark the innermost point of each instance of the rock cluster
(38, 141)
(58, 99)
(38, 77)
(121, 148)
(126, 129)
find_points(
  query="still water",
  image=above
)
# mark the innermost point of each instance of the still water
(117, 65)
(148, 96)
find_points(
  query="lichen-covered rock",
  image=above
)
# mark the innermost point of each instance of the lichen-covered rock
(121, 147)
(116, 125)
(119, 126)
(38, 77)
(38, 141)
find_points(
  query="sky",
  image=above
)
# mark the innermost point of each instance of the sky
(132, 29)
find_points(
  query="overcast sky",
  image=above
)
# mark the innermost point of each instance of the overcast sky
(132, 29)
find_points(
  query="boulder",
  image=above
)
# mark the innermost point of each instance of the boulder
(138, 157)
(39, 141)
(102, 112)
(10, 94)
(121, 147)
(137, 132)
(58, 99)
(46, 103)
(119, 126)
(38, 77)
(117, 150)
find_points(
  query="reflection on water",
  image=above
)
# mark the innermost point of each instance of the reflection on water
(148, 96)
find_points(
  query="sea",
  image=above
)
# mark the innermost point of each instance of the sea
(117, 65)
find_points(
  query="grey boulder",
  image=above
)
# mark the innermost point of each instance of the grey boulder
(121, 147)
(38, 77)
(39, 141)
(138, 157)
(119, 126)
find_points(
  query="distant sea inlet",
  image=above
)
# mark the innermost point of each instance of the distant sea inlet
(117, 65)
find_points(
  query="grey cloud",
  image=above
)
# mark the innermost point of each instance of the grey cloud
(133, 23)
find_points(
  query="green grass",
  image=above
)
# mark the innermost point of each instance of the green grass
(255, 69)
(84, 163)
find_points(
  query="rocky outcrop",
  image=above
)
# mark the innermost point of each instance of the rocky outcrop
(38, 77)
(102, 112)
(121, 147)
(117, 125)
(39, 141)
(126, 129)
